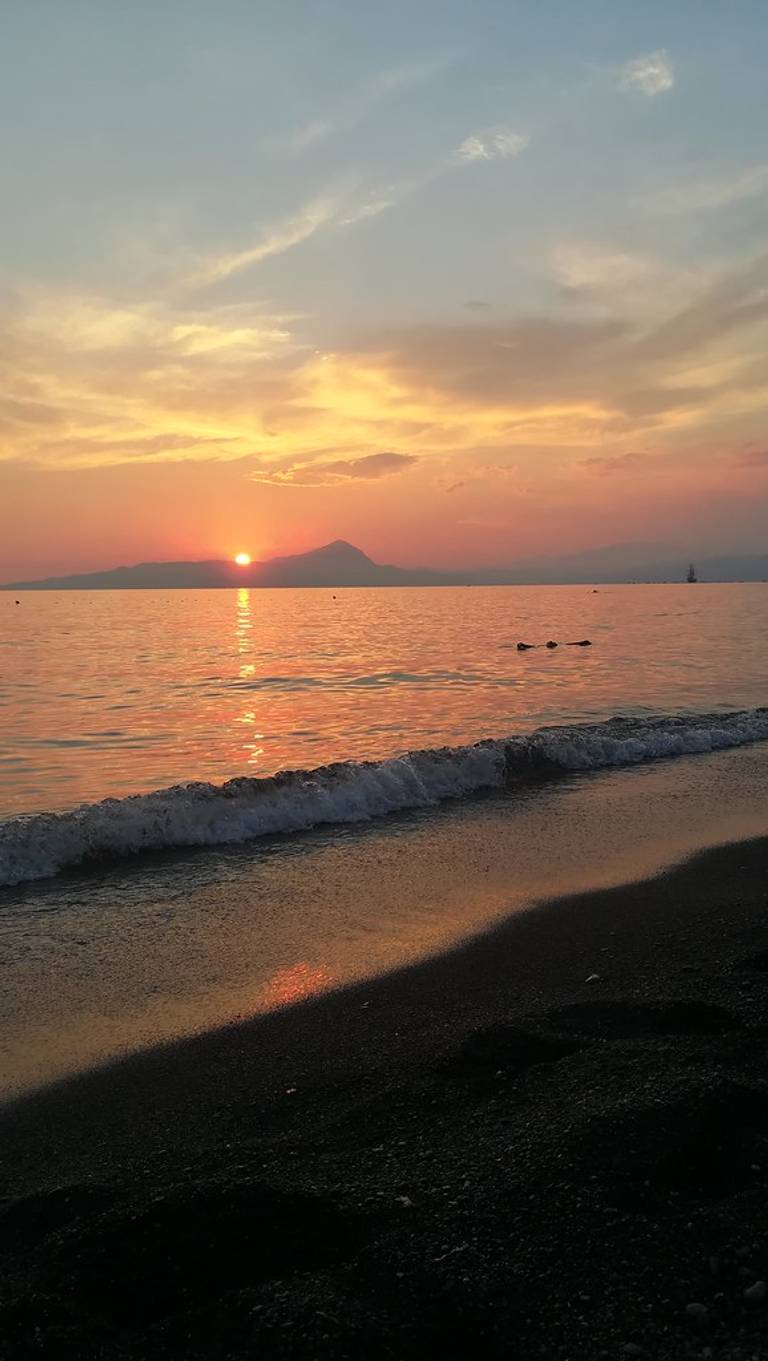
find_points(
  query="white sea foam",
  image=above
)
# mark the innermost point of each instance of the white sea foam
(39, 845)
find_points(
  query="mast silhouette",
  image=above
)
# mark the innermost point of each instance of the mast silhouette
(691, 574)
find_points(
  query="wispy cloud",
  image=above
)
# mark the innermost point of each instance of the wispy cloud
(617, 464)
(410, 73)
(586, 265)
(368, 468)
(621, 280)
(277, 239)
(377, 201)
(492, 144)
(651, 74)
(90, 324)
(346, 207)
(381, 86)
(699, 196)
(316, 130)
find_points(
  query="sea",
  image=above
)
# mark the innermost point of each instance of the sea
(213, 803)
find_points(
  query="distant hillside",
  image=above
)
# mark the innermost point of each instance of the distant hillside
(651, 562)
(341, 564)
(336, 564)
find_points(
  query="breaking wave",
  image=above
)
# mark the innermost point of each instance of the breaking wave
(39, 845)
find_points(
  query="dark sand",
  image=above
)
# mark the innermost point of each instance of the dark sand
(484, 1155)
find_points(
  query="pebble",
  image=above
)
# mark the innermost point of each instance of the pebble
(757, 1292)
(696, 1310)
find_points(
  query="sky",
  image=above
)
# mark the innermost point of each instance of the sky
(460, 281)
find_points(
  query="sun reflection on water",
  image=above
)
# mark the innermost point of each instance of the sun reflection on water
(243, 619)
(243, 631)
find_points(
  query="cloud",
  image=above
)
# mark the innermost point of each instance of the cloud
(377, 202)
(369, 468)
(410, 73)
(343, 209)
(651, 74)
(618, 463)
(588, 265)
(277, 239)
(340, 209)
(379, 87)
(699, 196)
(491, 145)
(733, 302)
(480, 472)
(316, 130)
(90, 324)
(85, 383)
(500, 362)
(476, 305)
(620, 280)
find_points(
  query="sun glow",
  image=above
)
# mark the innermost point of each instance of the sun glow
(243, 559)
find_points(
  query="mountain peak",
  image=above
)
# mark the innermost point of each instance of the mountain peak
(340, 550)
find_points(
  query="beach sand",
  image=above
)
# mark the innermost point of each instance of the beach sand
(551, 1142)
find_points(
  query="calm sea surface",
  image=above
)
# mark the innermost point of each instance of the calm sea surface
(108, 693)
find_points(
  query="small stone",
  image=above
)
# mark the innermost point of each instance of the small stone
(592, 978)
(696, 1310)
(756, 1293)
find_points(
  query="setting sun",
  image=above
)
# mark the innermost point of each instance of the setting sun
(243, 559)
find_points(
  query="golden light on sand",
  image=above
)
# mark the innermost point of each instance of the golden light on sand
(243, 559)
(295, 982)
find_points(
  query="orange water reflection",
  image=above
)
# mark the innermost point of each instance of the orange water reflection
(247, 670)
(295, 982)
(244, 620)
(120, 692)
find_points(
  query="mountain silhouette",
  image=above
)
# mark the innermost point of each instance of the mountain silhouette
(334, 564)
(340, 563)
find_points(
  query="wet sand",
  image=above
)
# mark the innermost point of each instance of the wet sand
(492, 1153)
(140, 953)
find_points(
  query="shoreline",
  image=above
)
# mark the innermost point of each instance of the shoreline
(484, 1151)
(150, 951)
